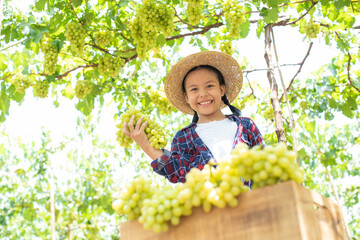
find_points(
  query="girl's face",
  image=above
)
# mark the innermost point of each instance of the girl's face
(203, 93)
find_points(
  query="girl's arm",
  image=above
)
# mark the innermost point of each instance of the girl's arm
(137, 134)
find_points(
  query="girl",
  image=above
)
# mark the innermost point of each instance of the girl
(200, 84)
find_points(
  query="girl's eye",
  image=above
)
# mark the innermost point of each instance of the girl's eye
(210, 85)
(193, 89)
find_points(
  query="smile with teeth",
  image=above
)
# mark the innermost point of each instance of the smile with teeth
(204, 103)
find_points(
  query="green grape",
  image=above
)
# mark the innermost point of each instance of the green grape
(312, 29)
(269, 113)
(266, 166)
(153, 131)
(152, 19)
(41, 88)
(104, 38)
(76, 34)
(226, 47)
(110, 65)
(83, 88)
(161, 102)
(132, 197)
(21, 82)
(235, 15)
(51, 56)
(194, 11)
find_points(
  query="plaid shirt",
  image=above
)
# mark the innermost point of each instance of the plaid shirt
(188, 150)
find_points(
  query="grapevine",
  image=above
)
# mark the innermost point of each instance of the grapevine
(150, 21)
(161, 102)
(51, 56)
(154, 132)
(110, 65)
(41, 88)
(21, 82)
(235, 15)
(83, 88)
(194, 11)
(76, 34)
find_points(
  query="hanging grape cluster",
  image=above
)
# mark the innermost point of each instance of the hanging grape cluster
(151, 19)
(103, 38)
(41, 89)
(154, 132)
(110, 65)
(76, 34)
(161, 102)
(269, 113)
(226, 47)
(194, 11)
(218, 187)
(312, 29)
(51, 56)
(235, 15)
(21, 82)
(83, 88)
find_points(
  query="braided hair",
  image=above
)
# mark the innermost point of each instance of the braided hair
(235, 111)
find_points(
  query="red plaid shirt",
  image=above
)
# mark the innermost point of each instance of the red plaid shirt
(188, 150)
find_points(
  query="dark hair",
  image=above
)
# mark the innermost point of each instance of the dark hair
(220, 77)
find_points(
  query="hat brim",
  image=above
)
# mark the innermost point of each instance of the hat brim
(227, 65)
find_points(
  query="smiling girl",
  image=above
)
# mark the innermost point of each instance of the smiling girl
(200, 84)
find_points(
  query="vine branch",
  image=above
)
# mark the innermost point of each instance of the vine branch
(299, 70)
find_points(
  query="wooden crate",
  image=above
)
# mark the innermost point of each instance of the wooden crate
(285, 211)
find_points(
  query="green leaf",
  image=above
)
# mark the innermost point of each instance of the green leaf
(346, 110)
(40, 5)
(332, 103)
(245, 28)
(76, 3)
(160, 40)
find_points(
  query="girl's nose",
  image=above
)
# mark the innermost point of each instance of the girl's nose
(202, 92)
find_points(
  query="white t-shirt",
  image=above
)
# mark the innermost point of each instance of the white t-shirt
(218, 136)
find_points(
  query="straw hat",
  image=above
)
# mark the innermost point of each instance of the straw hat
(227, 65)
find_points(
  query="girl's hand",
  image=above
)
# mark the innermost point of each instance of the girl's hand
(137, 132)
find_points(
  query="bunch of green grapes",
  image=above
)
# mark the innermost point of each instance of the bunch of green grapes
(266, 166)
(235, 15)
(223, 185)
(226, 47)
(110, 65)
(194, 11)
(312, 29)
(163, 207)
(76, 34)
(132, 197)
(239, 103)
(157, 17)
(103, 38)
(269, 113)
(161, 102)
(154, 132)
(21, 82)
(51, 56)
(41, 88)
(151, 19)
(83, 88)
